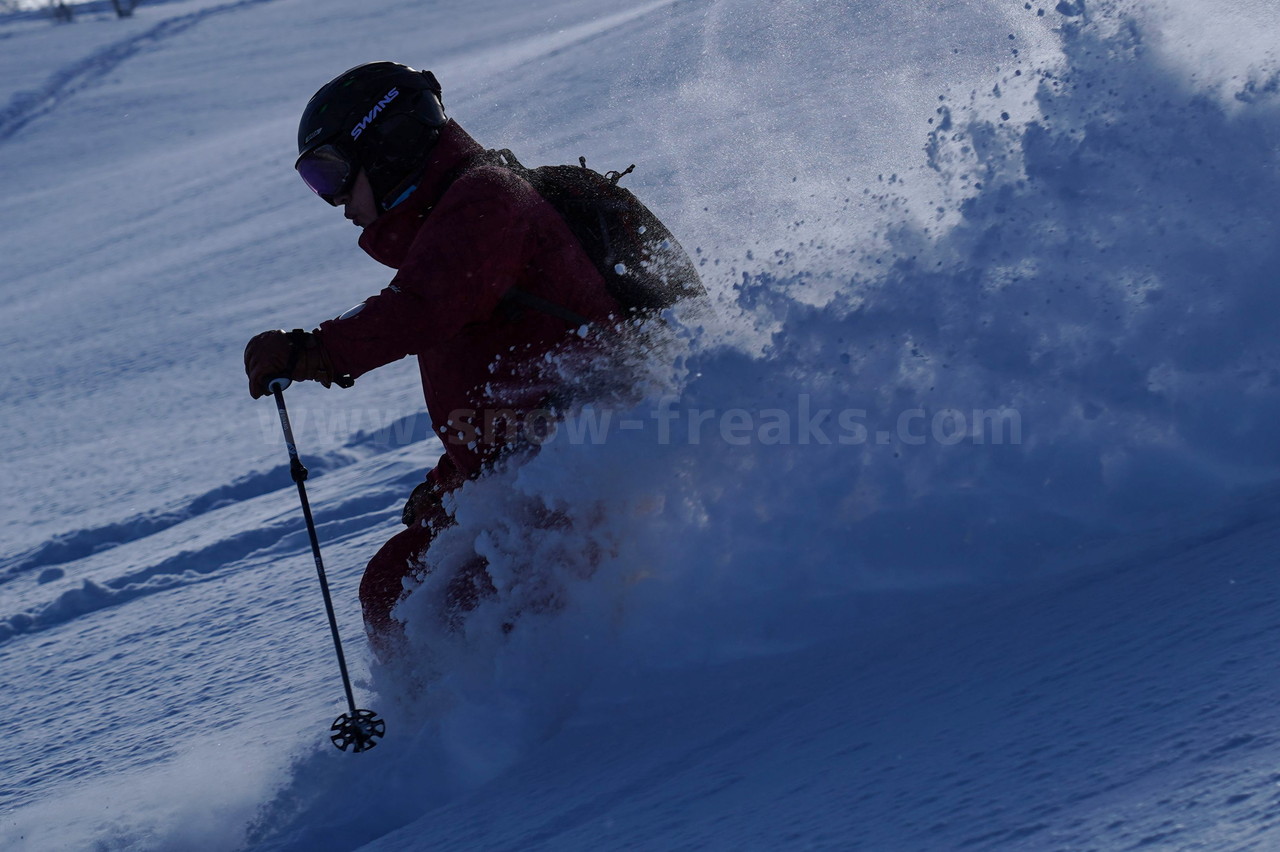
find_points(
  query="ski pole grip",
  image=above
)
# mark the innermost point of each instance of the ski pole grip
(280, 383)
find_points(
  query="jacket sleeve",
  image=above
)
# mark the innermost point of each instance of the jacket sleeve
(468, 253)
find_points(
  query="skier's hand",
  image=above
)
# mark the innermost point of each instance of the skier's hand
(296, 355)
(266, 358)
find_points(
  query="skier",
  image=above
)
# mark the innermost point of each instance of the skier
(464, 235)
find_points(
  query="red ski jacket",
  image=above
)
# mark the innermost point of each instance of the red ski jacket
(464, 237)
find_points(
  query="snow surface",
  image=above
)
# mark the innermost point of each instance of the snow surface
(1062, 217)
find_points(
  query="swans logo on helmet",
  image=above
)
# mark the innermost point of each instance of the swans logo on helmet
(373, 113)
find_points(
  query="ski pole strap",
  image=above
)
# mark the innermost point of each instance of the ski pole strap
(297, 343)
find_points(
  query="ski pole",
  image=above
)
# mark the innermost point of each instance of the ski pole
(358, 729)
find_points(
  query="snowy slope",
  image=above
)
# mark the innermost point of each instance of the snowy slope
(1028, 603)
(1131, 708)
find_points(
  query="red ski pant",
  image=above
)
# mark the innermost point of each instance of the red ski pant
(401, 558)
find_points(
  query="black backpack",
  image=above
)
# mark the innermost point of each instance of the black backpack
(643, 266)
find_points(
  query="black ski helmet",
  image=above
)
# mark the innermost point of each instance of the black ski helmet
(383, 117)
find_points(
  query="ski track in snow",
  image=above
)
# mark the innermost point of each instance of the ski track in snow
(511, 56)
(72, 546)
(78, 544)
(219, 556)
(191, 566)
(25, 107)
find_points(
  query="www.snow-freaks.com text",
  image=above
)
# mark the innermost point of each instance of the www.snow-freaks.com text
(669, 422)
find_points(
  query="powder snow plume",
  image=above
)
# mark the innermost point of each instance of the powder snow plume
(1056, 332)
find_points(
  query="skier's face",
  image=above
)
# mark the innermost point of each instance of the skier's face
(357, 203)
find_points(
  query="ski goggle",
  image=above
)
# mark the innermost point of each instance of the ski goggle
(327, 171)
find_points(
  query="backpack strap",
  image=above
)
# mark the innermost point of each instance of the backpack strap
(525, 299)
(515, 296)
